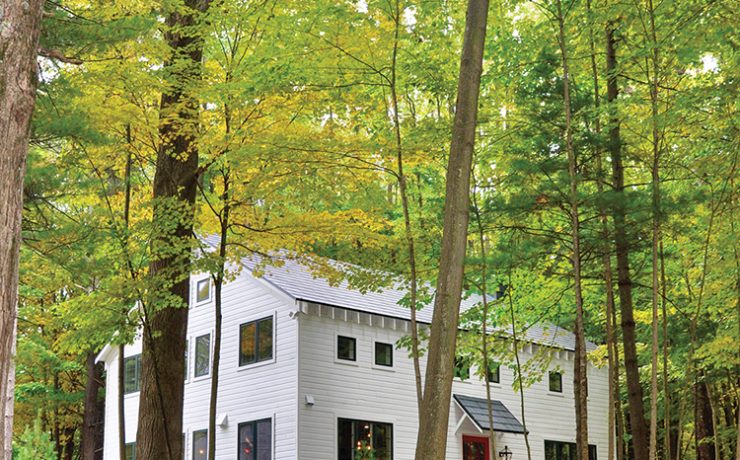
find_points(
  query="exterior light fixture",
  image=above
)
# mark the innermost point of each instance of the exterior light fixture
(505, 454)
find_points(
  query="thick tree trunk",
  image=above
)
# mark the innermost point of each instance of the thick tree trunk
(703, 424)
(91, 418)
(431, 442)
(580, 365)
(159, 433)
(638, 424)
(19, 38)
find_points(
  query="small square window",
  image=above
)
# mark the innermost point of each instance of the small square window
(203, 355)
(346, 348)
(203, 290)
(556, 382)
(200, 445)
(255, 341)
(494, 372)
(383, 354)
(462, 367)
(130, 451)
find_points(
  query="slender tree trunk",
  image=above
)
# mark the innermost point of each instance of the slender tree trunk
(580, 374)
(431, 443)
(121, 381)
(91, 417)
(704, 427)
(218, 283)
(638, 424)
(518, 362)
(403, 191)
(666, 394)
(159, 433)
(19, 38)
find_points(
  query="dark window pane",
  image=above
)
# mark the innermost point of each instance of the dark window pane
(346, 348)
(383, 354)
(265, 339)
(264, 440)
(202, 355)
(132, 374)
(200, 445)
(203, 290)
(255, 440)
(357, 437)
(462, 367)
(494, 373)
(556, 450)
(556, 382)
(131, 451)
(247, 346)
(187, 346)
(247, 441)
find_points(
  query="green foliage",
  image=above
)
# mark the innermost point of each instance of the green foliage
(34, 444)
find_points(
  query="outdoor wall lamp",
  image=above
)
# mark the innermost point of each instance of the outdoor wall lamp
(505, 454)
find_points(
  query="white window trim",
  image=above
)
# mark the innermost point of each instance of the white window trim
(271, 417)
(346, 362)
(193, 342)
(364, 416)
(187, 360)
(484, 377)
(560, 393)
(374, 365)
(273, 360)
(197, 302)
(191, 442)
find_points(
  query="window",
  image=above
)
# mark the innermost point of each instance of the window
(255, 440)
(373, 438)
(494, 372)
(187, 370)
(556, 382)
(383, 354)
(132, 374)
(203, 290)
(202, 355)
(462, 367)
(556, 450)
(200, 445)
(255, 341)
(346, 348)
(130, 451)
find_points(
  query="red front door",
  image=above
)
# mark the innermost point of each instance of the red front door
(475, 448)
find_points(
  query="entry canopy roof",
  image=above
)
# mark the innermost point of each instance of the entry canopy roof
(477, 409)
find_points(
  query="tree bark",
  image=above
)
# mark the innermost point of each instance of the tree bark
(91, 418)
(19, 39)
(431, 442)
(638, 424)
(703, 424)
(159, 433)
(580, 365)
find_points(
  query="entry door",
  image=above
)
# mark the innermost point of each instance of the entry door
(475, 448)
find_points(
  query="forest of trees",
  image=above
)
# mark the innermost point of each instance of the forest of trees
(578, 158)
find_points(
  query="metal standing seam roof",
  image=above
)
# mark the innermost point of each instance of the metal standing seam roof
(298, 281)
(477, 409)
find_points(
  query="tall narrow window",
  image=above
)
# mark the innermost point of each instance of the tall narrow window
(203, 290)
(494, 372)
(132, 374)
(202, 355)
(200, 445)
(255, 341)
(383, 354)
(255, 440)
(130, 451)
(346, 348)
(556, 382)
(187, 357)
(363, 439)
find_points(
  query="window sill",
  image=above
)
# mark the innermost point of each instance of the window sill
(257, 364)
(131, 395)
(380, 367)
(201, 378)
(558, 394)
(346, 362)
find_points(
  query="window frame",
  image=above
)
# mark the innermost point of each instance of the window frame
(255, 422)
(339, 419)
(339, 359)
(464, 359)
(133, 450)
(198, 282)
(136, 357)
(257, 362)
(195, 356)
(375, 362)
(192, 447)
(593, 451)
(498, 373)
(549, 382)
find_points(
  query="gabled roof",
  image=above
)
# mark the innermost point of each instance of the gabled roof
(298, 281)
(477, 409)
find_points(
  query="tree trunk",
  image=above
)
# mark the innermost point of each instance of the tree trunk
(19, 38)
(121, 383)
(703, 424)
(159, 433)
(580, 365)
(638, 424)
(91, 418)
(431, 442)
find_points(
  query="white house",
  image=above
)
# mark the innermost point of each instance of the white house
(310, 371)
